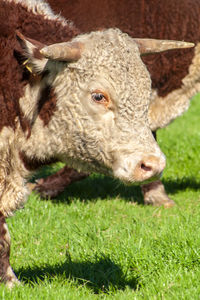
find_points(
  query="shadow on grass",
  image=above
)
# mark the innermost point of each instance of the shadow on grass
(98, 186)
(101, 276)
(173, 186)
(102, 187)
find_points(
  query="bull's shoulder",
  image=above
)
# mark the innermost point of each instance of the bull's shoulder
(36, 20)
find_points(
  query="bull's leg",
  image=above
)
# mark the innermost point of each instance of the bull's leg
(154, 194)
(6, 273)
(56, 183)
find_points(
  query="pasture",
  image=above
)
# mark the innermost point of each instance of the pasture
(98, 241)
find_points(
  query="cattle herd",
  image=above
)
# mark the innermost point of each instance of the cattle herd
(87, 85)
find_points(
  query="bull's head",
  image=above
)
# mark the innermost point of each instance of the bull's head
(103, 92)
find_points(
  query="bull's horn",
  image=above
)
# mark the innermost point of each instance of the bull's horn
(63, 51)
(147, 46)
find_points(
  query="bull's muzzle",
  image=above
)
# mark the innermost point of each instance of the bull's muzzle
(149, 167)
(139, 170)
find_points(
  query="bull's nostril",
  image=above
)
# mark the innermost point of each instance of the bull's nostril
(145, 168)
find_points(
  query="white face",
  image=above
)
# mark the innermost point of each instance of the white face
(100, 122)
(107, 102)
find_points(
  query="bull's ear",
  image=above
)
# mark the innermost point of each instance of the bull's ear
(147, 46)
(34, 61)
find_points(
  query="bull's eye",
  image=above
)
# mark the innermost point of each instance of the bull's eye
(99, 97)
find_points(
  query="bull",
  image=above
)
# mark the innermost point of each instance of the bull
(81, 99)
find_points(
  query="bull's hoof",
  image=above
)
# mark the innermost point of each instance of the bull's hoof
(12, 283)
(47, 190)
(154, 194)
(30, 186)
(43, 190)
(9, 278)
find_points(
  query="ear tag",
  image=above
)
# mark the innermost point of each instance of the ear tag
(27, 66)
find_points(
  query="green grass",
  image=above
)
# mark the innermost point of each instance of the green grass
(98, 241)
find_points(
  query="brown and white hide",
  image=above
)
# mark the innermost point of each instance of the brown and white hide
(83, 101)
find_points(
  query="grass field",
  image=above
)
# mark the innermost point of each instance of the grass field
(98, 241)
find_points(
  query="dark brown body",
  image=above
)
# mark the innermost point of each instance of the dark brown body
(160, 19)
